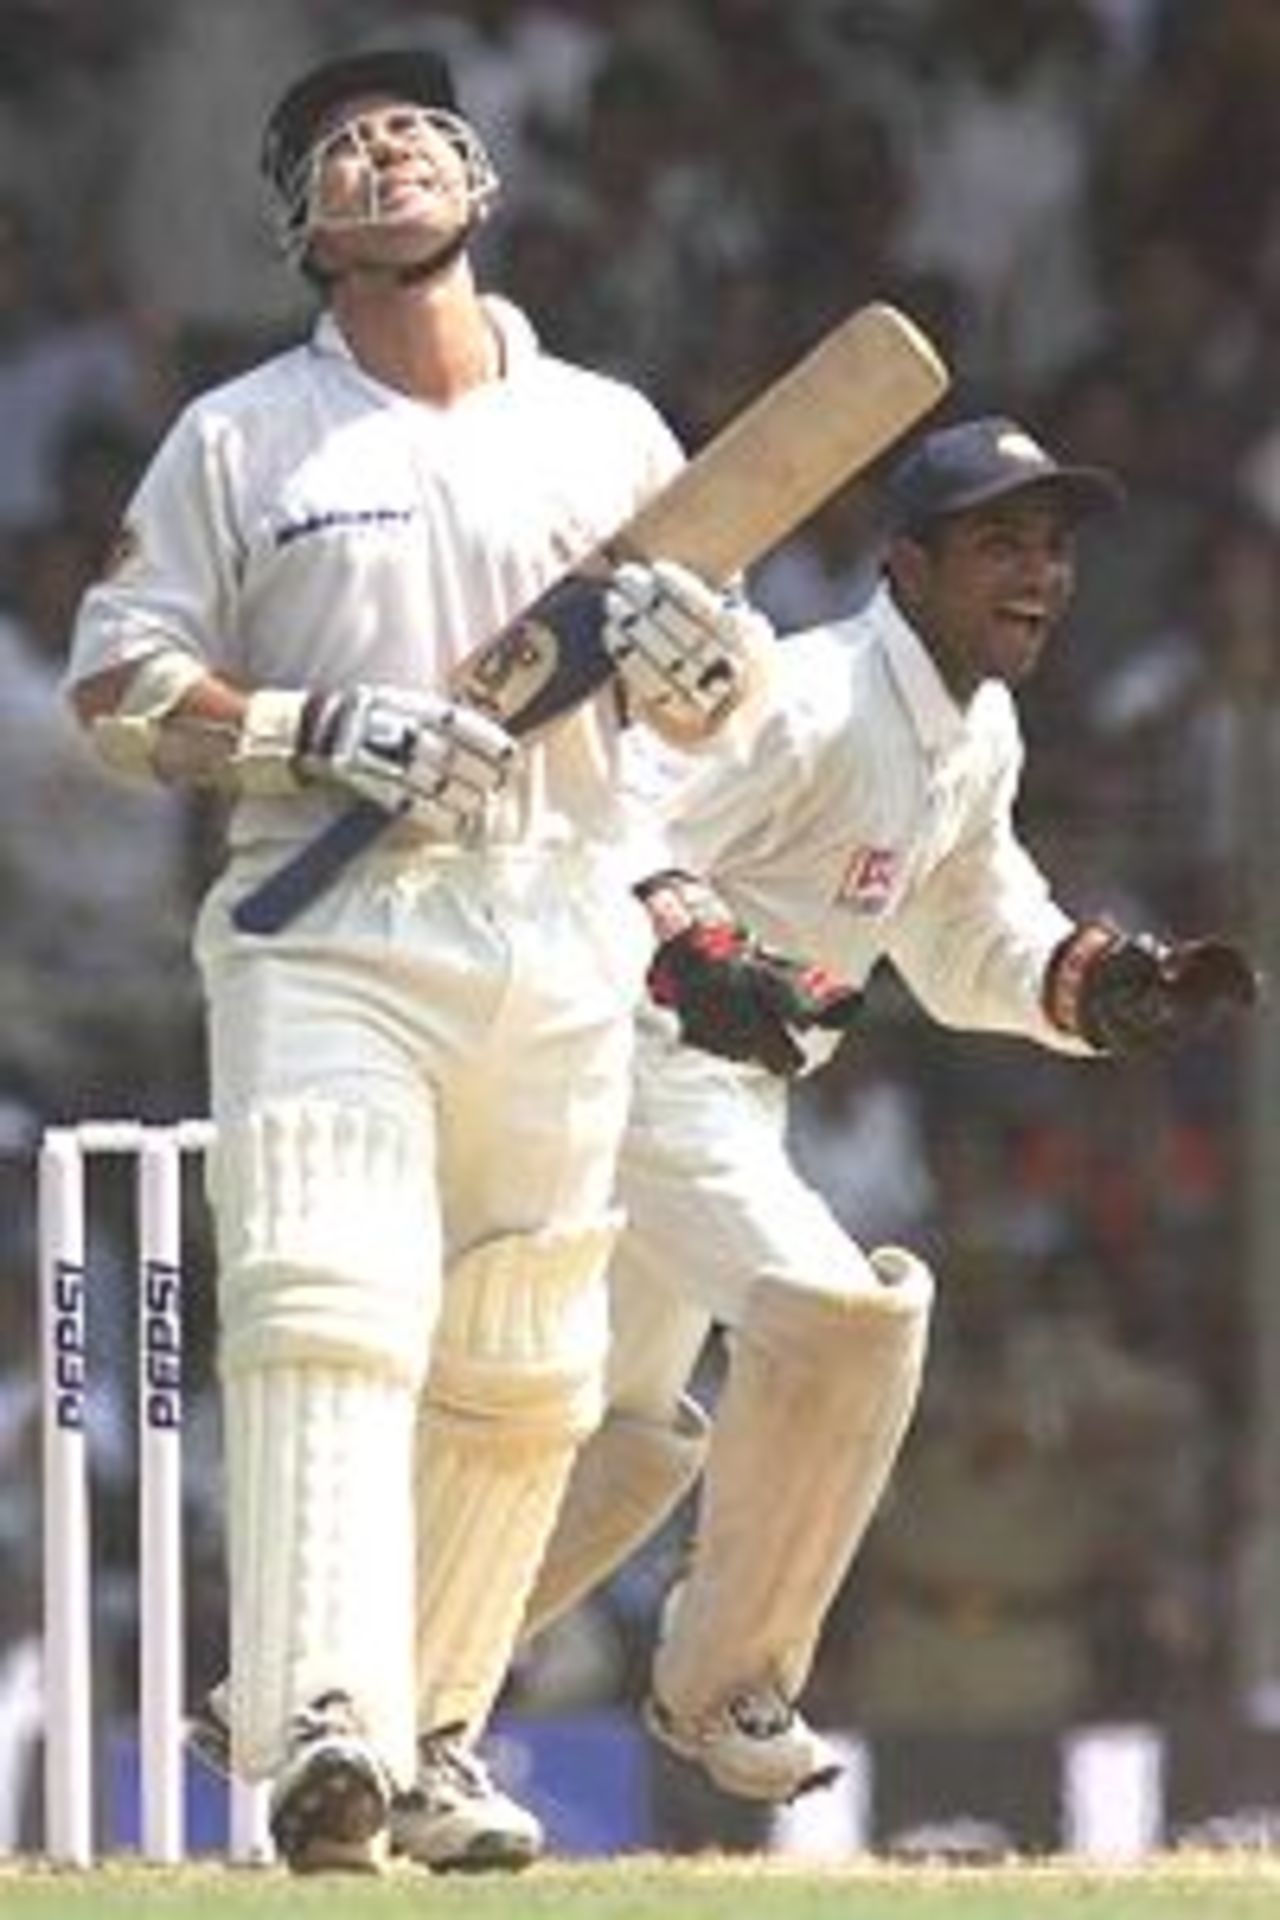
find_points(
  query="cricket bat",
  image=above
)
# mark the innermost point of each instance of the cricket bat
(824, 420)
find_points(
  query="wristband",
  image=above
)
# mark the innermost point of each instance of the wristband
(1068, 968)
(264, 757)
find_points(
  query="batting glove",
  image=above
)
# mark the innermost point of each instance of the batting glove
(416, 754)
(732, 996)
(1129, 994)
(683, 650)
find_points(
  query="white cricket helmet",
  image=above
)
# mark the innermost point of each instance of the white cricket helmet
(300, 133)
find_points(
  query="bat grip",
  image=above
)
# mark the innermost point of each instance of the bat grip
(294, 886)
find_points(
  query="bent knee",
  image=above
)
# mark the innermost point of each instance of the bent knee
(523, 1333)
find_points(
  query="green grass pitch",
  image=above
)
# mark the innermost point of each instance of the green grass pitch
(1208, 1887)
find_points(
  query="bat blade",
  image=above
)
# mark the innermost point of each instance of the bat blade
(827, 418)
(824, 420)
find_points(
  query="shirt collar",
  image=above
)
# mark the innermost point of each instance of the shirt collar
(514, 330)
(939, 720)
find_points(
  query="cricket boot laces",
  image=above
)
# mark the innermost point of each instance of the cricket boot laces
(331, 1799)
(454, 1819)
(756, 1745)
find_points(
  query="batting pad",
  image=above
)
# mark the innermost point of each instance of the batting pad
(326, 1241)
(515, 1385)
(319, 1528)
(819, 1393)
(625, 1481)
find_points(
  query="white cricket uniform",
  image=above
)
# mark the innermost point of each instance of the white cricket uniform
(869, 818)
(306, 526)
(428, 1070)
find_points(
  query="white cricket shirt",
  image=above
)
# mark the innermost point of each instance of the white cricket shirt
(304, 525)
(871, 817)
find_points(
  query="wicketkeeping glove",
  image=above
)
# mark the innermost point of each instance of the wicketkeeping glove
(1129, 994)
(418, 754)
(731, 995)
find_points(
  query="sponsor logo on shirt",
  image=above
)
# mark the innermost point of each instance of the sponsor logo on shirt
(870, 879)
(293, 530)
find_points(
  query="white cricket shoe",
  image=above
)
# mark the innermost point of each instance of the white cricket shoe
(755, 1745)
(455, 1820)
(332, 1797)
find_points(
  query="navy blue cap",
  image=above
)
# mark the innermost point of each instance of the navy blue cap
(976, 461)
(407, 73)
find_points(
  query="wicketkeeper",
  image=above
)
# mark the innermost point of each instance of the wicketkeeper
(872, 820)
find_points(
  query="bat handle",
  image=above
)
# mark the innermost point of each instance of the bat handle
(293, 887)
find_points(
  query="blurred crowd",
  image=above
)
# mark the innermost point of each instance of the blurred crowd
(1080, 200)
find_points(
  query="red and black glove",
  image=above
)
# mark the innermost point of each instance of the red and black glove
(731, 995)
(1128, 994)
